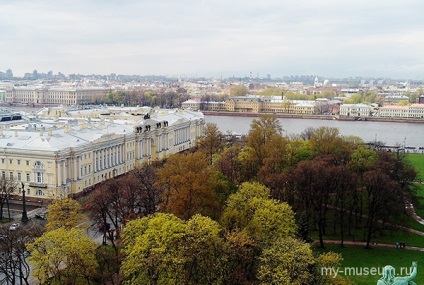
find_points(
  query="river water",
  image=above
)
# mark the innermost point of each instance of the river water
(390, 133)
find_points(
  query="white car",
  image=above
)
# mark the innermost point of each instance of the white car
(14, 227)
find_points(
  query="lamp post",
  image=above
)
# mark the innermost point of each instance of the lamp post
(24, 211)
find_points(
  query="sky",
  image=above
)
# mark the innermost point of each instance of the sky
(205, 38)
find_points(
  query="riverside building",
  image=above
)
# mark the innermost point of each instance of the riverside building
(60, 152)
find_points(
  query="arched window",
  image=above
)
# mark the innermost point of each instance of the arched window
(39, 192)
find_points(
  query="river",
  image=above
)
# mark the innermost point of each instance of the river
(390, 133)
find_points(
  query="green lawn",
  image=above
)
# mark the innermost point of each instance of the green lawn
(362, 259)
(417, 161)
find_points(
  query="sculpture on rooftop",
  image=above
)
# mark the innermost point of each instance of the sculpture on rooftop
(390, 279)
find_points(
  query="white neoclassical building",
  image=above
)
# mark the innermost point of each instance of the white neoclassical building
(56, 156)
(355, 110)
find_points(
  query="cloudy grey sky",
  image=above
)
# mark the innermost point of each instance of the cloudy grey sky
(334, 38)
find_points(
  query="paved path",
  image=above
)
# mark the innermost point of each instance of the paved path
(361, 243)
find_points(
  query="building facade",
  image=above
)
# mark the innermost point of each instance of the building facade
(355, 110)
(45, 95)
(60, 156)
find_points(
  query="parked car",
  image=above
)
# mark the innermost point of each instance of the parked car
(14, 227)
(42, 215)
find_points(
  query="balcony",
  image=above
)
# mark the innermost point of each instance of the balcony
(36, 184)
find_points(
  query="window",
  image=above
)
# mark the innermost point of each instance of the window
(11, 175)
(3, 174)
(28, 177)
(10, 161)
(27, 162)
(19, 176)
(39, 177)
(39, 192)
(19, 161)
(2, 160)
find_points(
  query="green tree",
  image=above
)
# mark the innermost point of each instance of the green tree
(63, 256)
(64, 213)
(163, 249)
(250, 209)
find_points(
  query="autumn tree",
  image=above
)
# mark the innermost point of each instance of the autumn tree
(63, 256)
(189, 186)
(228, 163)
(64, 213)
(328, 141)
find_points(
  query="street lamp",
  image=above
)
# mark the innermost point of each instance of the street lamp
(24, 212)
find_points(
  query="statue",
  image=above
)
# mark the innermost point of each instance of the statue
(390, 279)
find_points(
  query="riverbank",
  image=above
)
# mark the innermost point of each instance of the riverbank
(314, 117)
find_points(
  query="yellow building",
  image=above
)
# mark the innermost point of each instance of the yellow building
(59, 156)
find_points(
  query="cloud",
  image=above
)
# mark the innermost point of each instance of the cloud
(328, 37)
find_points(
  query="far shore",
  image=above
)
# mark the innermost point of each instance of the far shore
(313, 117)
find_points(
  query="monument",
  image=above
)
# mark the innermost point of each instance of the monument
(390, 279)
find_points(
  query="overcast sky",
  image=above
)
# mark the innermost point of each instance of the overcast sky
(329, 38)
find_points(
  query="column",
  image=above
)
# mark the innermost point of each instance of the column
(59, 174)
(75, 169)
(64, 171)
(95, 161)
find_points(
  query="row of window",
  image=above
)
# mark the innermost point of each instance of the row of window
(38, 176)
(3, 160)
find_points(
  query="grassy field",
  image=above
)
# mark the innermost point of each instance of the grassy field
(360, 259)
(417, 161)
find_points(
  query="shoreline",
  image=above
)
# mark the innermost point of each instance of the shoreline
(314, 117)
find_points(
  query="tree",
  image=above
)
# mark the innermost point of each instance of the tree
(250, 209)
(163, 249)
(189, 186)
(238, 90)
(263, 132)
(212, 142)
(63, 256)
(242, 262)
(66, 213)
(287, 261)
(382, 200)
(7, 188)
(150, 193)
(14, 267)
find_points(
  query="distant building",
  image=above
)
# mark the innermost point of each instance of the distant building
(46, 95)
(412, 111)
(355, 110)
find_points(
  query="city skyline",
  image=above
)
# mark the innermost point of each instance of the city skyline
(216, 38)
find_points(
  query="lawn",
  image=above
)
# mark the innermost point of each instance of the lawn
(361, 259)
(417, 161)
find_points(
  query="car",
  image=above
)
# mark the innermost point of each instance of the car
(14, 227)
(42, 215)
